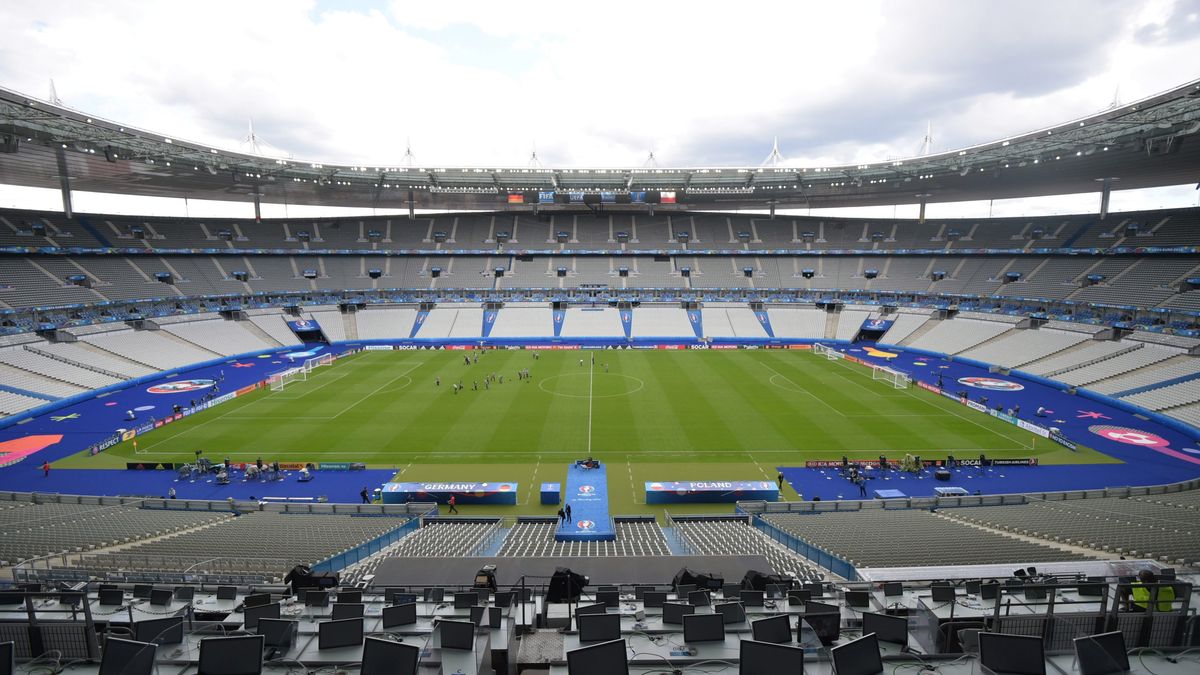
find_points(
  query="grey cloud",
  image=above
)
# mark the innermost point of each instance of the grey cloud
(1182, 26)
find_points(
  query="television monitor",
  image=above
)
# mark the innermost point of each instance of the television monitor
(8, 658)
(1035, 592)
(989, 591)
(164, 631)
(111, 596)
(349, 595)
(251, 615)
(241, 655)
(386, 657)
(654, 599)
(858, 657)
(732, 612)
(942, 593)
(893, 589)
(816, 588)
(396, 596)
(161, 597)
(1102, 654)
(767, 658)
(827, 627)
(730, 591)
(127, 657)
(673, 612)
(591, 609)
(504, 598)
(640, 592)
(699, 599)
(400, 615)
(316, 599)
(477, 614)
(227, 592)
(608, 587)
(1012, 654)
(599, 627)
(703, 628)
(142, 591)
(465, 600)
(72, 598)
(457, 635)
(1096, 587)
(858, 599)
(972, 587)
(495, 617)
(887, 628)
(752, 598)
(12, 598)
(608, 598)
(776, 629)
(798, 596)
(606, 658)
(814, 607)
(339, 633)
(776, 590)
(256, 600)
(348, 610)
(682, 590)
(435, 594)
(279, 634)
(1166, 574)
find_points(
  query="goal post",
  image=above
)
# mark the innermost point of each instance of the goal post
(898, 379)
(280, 380)
(322, 360)
(828, 352)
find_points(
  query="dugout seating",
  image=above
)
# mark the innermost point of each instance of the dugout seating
(909, 538)
(534, 537)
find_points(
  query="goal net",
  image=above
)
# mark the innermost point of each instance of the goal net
(828, 352)
(898, 379)
(322, 360)
(280, 380)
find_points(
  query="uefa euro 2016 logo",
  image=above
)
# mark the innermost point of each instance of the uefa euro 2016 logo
(180, 386)
(586, 489)
(585, 525)
(990, 383)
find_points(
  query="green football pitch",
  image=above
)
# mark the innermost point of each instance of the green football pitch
(651, 415)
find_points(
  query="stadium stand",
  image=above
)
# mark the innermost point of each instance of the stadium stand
(524, 320)
(534, 537)
(734, 536)
(379, 323)
(1022, 347)
(661, 322)
(959, 335)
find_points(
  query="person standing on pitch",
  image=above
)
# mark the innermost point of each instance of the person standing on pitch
(779, 479)
(366, 496)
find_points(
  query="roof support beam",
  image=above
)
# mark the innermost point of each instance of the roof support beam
(64, 180)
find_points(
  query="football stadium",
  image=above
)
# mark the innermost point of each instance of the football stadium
(579, 419)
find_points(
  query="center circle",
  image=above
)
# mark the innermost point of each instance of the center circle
(603, 385)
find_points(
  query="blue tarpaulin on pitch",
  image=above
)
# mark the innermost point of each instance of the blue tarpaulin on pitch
(587, 494)
(710, 491)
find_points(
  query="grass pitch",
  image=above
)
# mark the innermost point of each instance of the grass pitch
(652, 415)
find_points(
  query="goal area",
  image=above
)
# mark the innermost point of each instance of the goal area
(828, 352)
(322, 360)
(898, 379)
(280, 380)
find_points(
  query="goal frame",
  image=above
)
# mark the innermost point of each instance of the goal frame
(313, 363)
(898, 379)
(828, 352)
(280, 380)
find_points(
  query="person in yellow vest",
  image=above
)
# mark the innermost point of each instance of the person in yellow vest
(1139, 596)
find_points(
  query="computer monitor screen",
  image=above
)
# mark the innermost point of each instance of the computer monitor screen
(765, 658)
(127, 657)
(251, 615)
(457, 635)
(348, 595)
(395, 596)
(1095, 587)
(599, 627)
(827, 627)
(893, 589)
(798, 596)
(483, 595)
(240, 655)
(860, 657)
(608, 598)
(1035, 592)
(385, 657)
(465, 600)
(477, 614)
(942, 593)
(185, 593)
(814, 607)
(654, 599)
(278, 633)
(682, 590)
(111, 596)
(591, 609)
(1102, 654)
(731, 612)
(730, 591)
(226, 592)
(142, 591)
(816, 588)
(339, 633)
(348, 610)
(72, 598)
(640, 592)
(161, 597)
(1012, 654)
(989, 591)
(699, 599)
(504, 598)
(776, 629)
(435, 594)
(606, 658)
(887, 628)
(673, 612)
(256, 600)
(316, 599)
(752, 598)
(776, 590)
(495, 617)
(703, 628)
(400, 615)
(858, 599)
(7, 658)
(165, 631)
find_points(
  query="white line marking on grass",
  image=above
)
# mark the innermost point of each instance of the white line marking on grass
(632, 484)
(532, 481)
(760, 466)
(342, 375)
(799, 389)
(377, 390)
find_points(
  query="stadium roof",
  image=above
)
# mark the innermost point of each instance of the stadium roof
(1149, 143)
